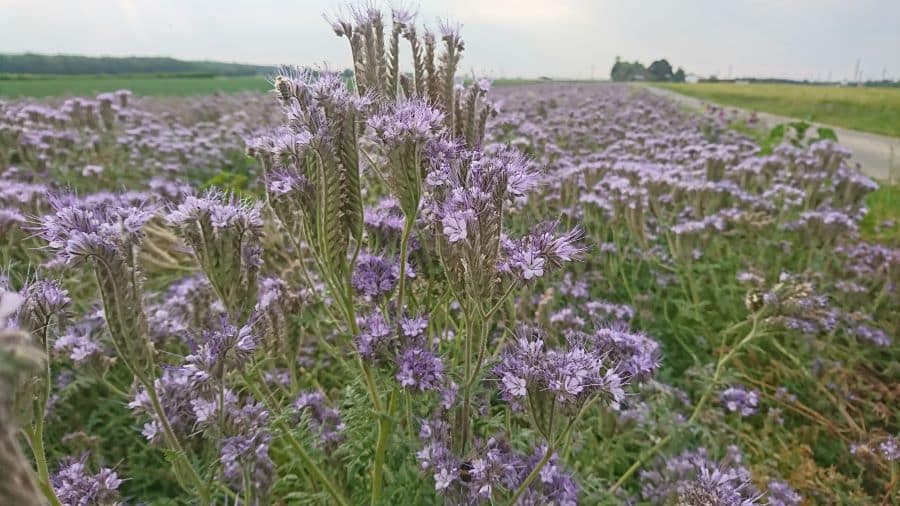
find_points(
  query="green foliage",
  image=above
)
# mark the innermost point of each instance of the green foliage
(882, 223)
(658, 71)
(868, 109)
(794, 133)
(227, 181)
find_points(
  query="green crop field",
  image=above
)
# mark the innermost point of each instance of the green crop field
(151, 85)
(148, 85)
(875, 110)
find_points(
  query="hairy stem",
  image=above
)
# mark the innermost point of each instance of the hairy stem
(309, 464)
(36, 441)
(404, 244)
(532, 476)
(384, 433)
(181, 464)
(37, 431)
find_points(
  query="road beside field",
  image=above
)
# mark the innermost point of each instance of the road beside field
(878, 156)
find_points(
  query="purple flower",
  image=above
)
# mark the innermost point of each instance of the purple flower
(225, 348)
(217, 209)
(455, 225)
(413, 327)
(78, 230)
(568, 375)
(741, 400)
(542, 249)
(176, 390)
(74, 485)
(421, 370)
(44, 299)
(224, 235)
(638, 354)
(890, 448)
(325, 421)
(411, 122)
(247, 452)
(384, 220)
(79, 340)
(691, 477)
(781, 494)
(374, 334)
(374, 275)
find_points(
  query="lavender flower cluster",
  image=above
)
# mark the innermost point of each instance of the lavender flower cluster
(543, 282)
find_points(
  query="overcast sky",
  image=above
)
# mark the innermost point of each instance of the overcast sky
(811, 39)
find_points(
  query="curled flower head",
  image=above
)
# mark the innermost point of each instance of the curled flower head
(374, 275)
(411, 122)
(691, 477)
(375, 334)
(637, 353)
(421, 370)
(45, 299)
(78, 230)
(225, 348)
(80, 341)
(558, 377)
(74, 484)
(224, 234)
(740, 400)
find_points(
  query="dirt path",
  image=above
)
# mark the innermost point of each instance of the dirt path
(878, 156)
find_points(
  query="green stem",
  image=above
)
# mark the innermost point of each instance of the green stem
(37, 432)
(311, 465)
(308, 462)
(467, 355)
(384, 433)
(532, 476)
(111, 387)
(404, 244)
(640, 461)
(36, 441)
(182, 464)
(500, 301)
(720, 367)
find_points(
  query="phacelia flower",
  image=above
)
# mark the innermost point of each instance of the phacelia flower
(740, 400)
(75, 485)
(420, 369)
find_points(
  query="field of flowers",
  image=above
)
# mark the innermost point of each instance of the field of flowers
(403, 290)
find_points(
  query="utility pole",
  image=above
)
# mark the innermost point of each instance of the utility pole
(856, 72)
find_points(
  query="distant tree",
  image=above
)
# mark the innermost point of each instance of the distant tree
(628, 71)
(660, 70)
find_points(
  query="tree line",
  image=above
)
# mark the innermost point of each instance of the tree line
(659, 70)
(30, 63)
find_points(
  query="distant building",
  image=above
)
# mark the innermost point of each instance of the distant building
(692, 78)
